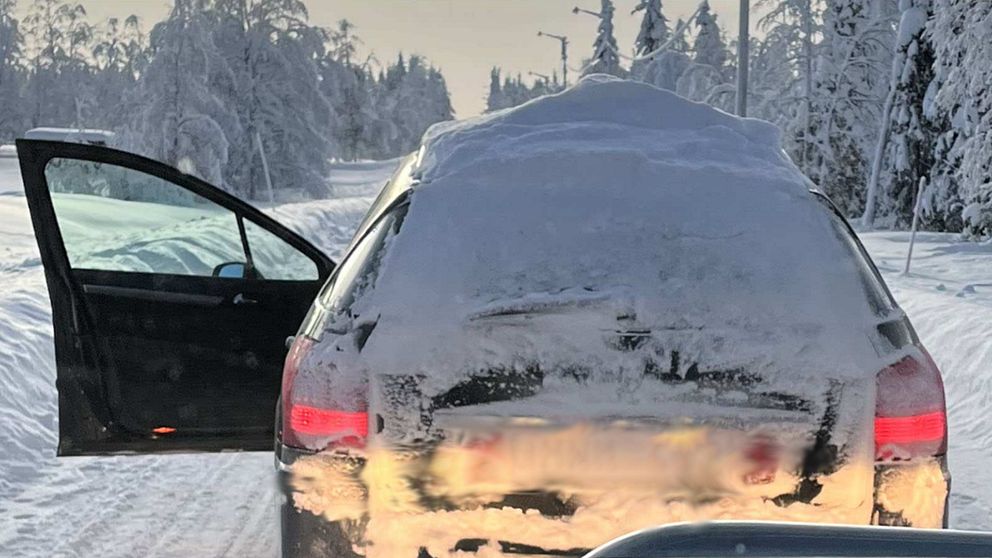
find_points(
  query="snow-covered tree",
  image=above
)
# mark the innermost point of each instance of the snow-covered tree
(514, 91)
(704, 83)
(709, 48)
(775, 87)
(119, 56)
(791, 28)
(272, 51)
(849, 88)
(909, 149)
(679, 41)
(961, 33)
(495, 99)
(605, 56)
(181, 119)
(654, 33)
(665, 69)
(58, 62)
(412, 95)
(654, 27)
(11, 73)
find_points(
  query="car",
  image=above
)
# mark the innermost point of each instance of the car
(604, 310)
(756, 539)
(79, 135)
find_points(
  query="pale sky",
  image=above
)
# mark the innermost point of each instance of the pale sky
(465, 38)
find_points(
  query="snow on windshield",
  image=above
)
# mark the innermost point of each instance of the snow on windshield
(611, 201)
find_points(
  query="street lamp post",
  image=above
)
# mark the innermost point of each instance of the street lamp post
(564, 54)
(743, 38)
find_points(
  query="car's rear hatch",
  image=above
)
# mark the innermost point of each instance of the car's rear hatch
(685, 425)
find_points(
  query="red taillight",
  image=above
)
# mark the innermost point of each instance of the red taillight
(304, 419)
(910, 417)
(308, 421)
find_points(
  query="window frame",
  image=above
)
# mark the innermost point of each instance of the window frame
(42, 152)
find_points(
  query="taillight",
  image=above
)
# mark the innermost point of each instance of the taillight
(313, 418)
(910, 416)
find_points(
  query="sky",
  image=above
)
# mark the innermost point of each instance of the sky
(465, 38)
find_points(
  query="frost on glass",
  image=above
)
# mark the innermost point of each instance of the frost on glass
(118, 219)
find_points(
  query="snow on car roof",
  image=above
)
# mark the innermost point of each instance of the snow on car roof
(80, 135)
(536, 229)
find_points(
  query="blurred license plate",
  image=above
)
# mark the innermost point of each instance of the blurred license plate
(691, 459)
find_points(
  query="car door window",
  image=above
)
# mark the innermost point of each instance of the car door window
(275, 260)
(114, 218)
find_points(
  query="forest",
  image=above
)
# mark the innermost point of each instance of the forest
(884, 104)
(214, 86)
(881, 102)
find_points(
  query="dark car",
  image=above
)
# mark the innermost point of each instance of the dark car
(539, 339)
(756, 540)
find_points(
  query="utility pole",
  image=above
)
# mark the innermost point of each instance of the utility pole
(743, 38)
(564, 54)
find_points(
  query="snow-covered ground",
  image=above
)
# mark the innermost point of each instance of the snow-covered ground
(223, 505)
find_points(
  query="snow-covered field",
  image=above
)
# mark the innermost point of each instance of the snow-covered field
(223, 505)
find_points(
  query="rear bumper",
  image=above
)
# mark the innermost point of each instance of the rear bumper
(304, 533)
(912, 494)
(542, 524)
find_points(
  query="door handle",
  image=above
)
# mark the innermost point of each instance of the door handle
(240, 299)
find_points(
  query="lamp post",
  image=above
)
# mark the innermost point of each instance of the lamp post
(743, 38)
(564, 54)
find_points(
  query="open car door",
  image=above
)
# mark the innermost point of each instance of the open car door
(171, 302)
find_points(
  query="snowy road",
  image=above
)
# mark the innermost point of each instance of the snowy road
(223, 505)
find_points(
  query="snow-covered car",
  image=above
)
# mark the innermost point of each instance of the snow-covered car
(600, 311)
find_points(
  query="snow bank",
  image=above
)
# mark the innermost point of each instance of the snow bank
(613, 204)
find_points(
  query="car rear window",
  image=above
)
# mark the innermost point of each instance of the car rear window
(353, 276)
(876, 293)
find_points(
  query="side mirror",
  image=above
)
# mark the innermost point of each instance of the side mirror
(230, 270)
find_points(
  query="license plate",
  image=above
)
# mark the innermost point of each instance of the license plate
(678, 460)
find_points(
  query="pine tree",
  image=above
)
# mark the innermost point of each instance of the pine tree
(910, 147)
(653, 34)
(495, 99)
(654, 27)
(846, 100)
(961, 32)
(709, 48)
(605, 56)
(680, 43)
(12, 121)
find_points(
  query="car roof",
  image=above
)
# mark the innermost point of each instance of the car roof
(77, 135)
